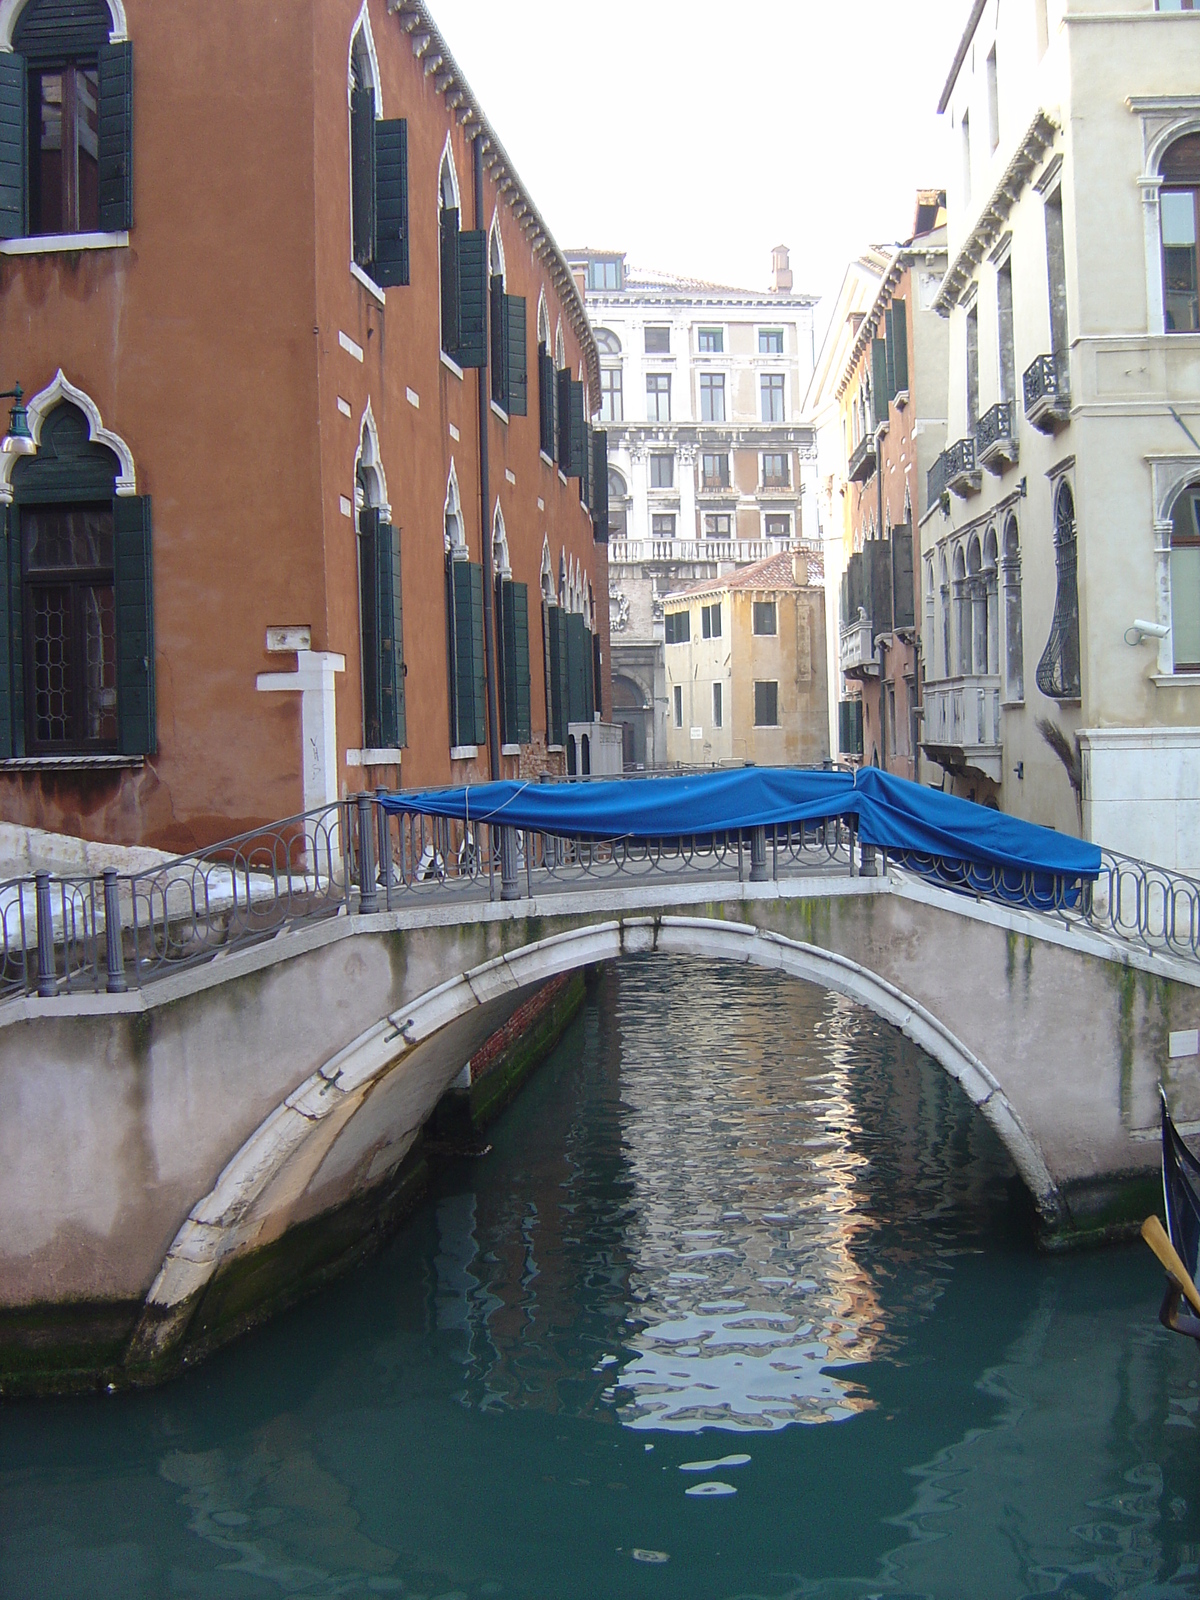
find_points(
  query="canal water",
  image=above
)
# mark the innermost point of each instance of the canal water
(744, 1301)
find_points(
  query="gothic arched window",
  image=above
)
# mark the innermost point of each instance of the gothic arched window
(1179, 202)
(1058, 671)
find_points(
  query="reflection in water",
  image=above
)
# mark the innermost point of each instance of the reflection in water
(728, 1205)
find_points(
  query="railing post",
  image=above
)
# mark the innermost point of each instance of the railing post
(385, 844)
(510, 883)
(758, 855)
(368, 894)
(114, 955)
(45, 936)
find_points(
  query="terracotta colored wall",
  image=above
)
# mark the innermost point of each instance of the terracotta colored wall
(211, 347)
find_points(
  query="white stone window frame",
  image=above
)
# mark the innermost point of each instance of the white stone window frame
(1164, 119)
(1171, 476)
(362, 25)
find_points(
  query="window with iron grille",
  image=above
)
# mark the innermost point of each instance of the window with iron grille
(712, 397)
(766, 705)
(662, 472)
(1058, 671)
(775, 473)
(658, 396)
(70, 626)
(714, 470)
(771, 387)
(678, 699)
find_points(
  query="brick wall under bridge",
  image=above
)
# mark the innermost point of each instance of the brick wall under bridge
(170, 1160)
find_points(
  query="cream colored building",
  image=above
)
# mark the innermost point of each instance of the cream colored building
(1061, 553)
(746, 667)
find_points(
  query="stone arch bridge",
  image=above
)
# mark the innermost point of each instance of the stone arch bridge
(176, 1160)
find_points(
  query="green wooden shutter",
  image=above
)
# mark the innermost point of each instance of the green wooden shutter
(597, 675)
(904, 598)
(579, 665)
(589, 674)
(514, 628)
(577, 434)
(391, 638)
(115, 147)
(468, 688)
(899, 316)
(391, 270)
(517, 355)
(890, 354)
(559, 676)
(562, 416)
(133, 581)
(473, 298)
(13, 146)
(546, 379)
(362, 174)
(369, 626)
(600, 486)
(499, 343)
(451, 322)
(877, 575)
(879, 380)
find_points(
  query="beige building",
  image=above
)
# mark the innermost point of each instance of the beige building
(746, 667)
(1061, 550)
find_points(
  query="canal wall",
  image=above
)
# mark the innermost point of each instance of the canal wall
(177, 1162)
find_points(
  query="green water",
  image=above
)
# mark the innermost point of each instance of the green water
(735, 1237)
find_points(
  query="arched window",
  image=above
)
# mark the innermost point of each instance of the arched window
(1179, 203)
(500, 560)
(79, 675)
(962, 614)
(944, 586)
(1014, 630)
(607, 343)
(378, 170)
(1058, 671)
(1185, 581)
(991, 600)
(547, 573)
(496, 251)
(449, 256)
(512, 609)
(381, 604)
(68, 161)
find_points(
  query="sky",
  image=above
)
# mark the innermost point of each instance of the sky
(694, 136)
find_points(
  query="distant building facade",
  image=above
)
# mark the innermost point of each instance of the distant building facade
(745, 666)
(892, 406)
(1061, 545)
(708, 459)
(305, 498)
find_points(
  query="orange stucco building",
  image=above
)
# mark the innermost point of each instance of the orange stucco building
(309, 390)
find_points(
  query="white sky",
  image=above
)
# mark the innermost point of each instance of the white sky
(695, 135)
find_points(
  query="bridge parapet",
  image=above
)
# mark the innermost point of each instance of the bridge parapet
(115, 931)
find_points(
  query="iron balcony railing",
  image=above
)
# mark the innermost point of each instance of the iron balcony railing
(119, 931)
(1047, 390)
(995, 437)
(961, 473)
(935, 481)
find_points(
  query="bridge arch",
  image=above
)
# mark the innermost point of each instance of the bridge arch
(283, 1155)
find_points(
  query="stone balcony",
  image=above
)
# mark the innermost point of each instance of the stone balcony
(856, 648)
(962, 724)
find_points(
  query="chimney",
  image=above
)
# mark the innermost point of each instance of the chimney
(800, 568)
(579, 273)
(781, 270)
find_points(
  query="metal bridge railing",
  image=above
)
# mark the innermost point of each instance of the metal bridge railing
(119, 931)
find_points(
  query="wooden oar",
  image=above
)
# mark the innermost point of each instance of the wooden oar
(1155, 1236)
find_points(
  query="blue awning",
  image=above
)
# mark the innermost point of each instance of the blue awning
(905, 819)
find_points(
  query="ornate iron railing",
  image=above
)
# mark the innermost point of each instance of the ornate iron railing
(118, 931)
(862, 459)
(935, 481)
(960, 462)
(995, 427)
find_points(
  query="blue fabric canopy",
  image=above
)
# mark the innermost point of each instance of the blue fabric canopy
(963, 843)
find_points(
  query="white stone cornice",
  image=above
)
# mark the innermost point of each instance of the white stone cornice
(1039, 137)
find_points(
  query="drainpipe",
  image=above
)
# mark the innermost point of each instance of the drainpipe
(489, 584)
(879, 433)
